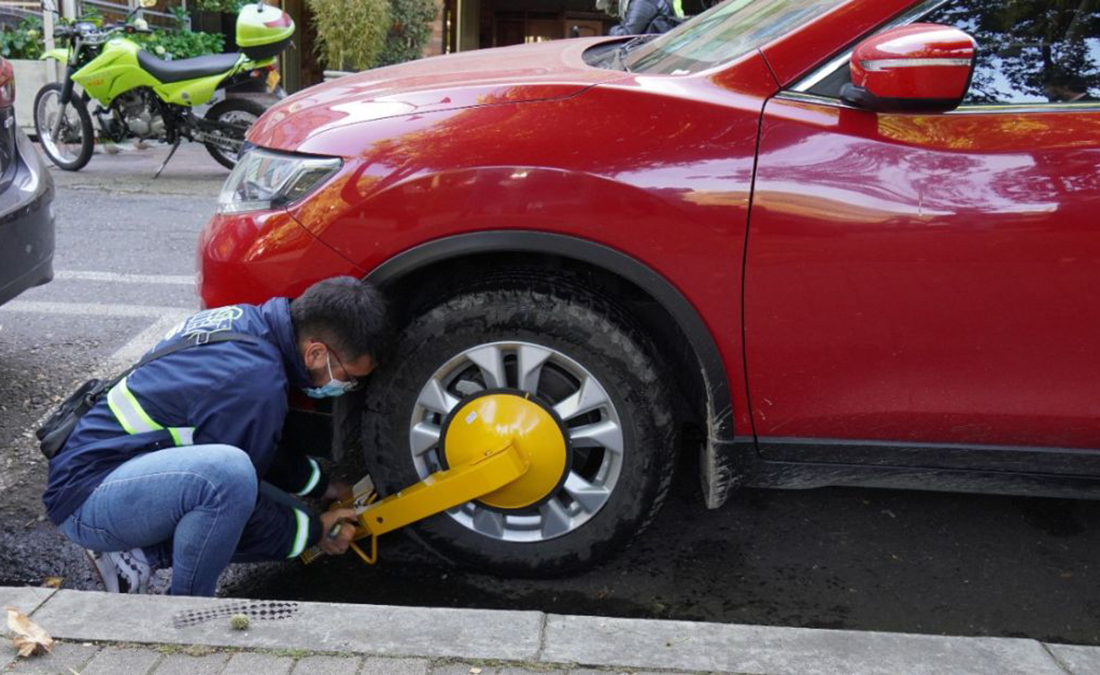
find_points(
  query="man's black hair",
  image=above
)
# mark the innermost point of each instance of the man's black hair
(348, 315)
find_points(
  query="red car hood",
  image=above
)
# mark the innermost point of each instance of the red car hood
(531, 72)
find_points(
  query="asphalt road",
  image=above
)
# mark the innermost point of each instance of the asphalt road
(837, 558)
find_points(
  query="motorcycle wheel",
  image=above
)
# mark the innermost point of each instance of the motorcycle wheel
(75, 142)
(239, 112)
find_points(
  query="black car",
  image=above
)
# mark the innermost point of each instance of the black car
(26, 202)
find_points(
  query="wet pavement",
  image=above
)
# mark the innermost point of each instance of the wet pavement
(918, 562)
(834, 558)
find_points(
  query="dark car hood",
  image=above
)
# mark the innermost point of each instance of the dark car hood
(534, 72)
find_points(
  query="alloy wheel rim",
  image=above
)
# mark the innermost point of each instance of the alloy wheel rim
(49, 107)
(571, 390)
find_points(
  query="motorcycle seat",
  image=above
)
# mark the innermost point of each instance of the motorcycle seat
(186, 69)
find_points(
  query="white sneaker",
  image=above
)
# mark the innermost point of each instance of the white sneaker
(122, 571)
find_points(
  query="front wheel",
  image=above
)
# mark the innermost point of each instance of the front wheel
(234, 116)
(71, 146)
(578, 356)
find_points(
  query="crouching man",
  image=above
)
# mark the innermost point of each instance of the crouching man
(165, 470)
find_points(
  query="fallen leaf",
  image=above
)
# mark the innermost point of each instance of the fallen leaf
(475, 671)
(53, 582)
(28, 637)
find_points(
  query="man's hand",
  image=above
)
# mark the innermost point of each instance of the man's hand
(344, 519)
(339, 491)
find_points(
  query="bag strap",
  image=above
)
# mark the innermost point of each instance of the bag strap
(200, 339)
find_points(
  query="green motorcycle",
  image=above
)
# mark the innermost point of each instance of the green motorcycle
(138, 96)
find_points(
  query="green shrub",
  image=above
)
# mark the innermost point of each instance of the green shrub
(350, 33)
(409, 32)
(182, 43)
(24, 41)
(233, 6)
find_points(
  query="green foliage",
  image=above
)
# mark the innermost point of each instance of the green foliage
(181, 15)
(233, 6)
(351, 33)
(182, 43)
(409, 32)
(24, 41)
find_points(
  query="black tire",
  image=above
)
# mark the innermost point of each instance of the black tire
(87, 137)
(578, 324)
(227, 109)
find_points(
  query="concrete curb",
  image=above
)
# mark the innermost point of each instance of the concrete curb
(532, 637)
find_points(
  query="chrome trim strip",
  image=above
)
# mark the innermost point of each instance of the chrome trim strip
(879, 65)
(821, 73)
(986, 109)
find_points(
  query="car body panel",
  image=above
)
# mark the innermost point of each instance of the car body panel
(255, 256)
(542, 71)
(933, 274)
(429, 176)
(26, 211)
(488, 168)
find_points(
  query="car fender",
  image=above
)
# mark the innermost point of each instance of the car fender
(415, 179)
(725, 460)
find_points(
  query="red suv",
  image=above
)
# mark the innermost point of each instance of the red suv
(818, 242)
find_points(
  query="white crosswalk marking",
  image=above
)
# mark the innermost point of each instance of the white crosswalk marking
(116, 277)
(92, 309)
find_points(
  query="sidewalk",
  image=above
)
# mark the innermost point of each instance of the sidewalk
(123, 634)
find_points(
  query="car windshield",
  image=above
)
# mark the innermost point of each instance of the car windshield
(722, 33)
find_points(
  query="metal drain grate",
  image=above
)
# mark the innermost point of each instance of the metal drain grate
(263, 611)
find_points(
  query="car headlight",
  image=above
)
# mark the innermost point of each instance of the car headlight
(264, 179)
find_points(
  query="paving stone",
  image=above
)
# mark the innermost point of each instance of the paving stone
(765, 650)
(116, 660)
(515, 670)
(1079, 660)
(66, 657)
(328, 665)
(185, 664)
(375, 665)
(252, 664)
(26, 600)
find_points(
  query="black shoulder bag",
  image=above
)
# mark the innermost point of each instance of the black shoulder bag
(56, 431)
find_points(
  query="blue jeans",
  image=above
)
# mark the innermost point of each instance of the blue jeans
(197, 497)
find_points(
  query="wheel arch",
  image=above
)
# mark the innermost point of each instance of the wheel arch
(661, 308)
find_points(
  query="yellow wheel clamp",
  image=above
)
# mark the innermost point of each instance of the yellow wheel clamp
(503, 449)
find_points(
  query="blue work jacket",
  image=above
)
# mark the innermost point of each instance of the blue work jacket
(232, 393)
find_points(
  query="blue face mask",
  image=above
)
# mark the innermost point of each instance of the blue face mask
(330, 389)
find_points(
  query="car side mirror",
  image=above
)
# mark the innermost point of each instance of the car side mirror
(921, 67)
